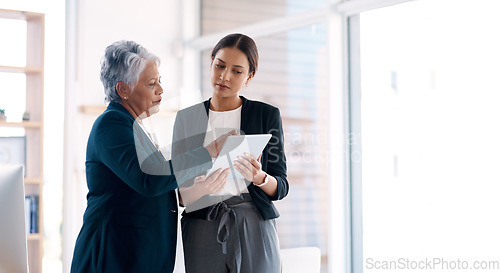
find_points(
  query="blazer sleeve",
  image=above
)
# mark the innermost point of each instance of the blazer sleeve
(276, 160)
(178, 137)
(152, 176)
(185, 138)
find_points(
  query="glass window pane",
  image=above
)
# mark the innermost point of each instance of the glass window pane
(292, 75)
(13, 53)
(430, 134)
(221, 15)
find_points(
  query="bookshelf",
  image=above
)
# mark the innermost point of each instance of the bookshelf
(33, 129)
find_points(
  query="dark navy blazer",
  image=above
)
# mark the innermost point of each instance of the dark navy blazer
(130, 224)
(256, 118)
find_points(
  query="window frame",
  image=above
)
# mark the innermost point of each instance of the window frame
(351, 11)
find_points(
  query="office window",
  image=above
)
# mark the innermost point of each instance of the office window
(221, 15)
(429, 133)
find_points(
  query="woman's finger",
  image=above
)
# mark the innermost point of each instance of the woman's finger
(219, 142)
(243, 170)
(211, 177)
(199, 179)
(221, 176)
(254, 161)
(220, 182)
(244, 161)
(260, 156)
(220, 185)
(226, 172)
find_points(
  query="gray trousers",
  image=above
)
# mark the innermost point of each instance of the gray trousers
(233, 239)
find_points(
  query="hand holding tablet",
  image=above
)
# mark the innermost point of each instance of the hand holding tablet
(237, 146)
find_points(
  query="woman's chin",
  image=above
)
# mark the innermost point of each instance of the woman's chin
(154, 110)
(225, 93)
(151, 111)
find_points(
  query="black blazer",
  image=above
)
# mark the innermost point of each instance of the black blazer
(256, 118)
(130, 224)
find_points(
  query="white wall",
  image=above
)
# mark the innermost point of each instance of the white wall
(153, 24)
(93, 25)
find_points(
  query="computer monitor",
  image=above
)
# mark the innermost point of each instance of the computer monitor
(13, 243)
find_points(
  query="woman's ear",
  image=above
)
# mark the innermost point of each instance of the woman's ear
(123, 90)
(250, 77)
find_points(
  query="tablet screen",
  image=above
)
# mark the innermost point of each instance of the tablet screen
(236, 146)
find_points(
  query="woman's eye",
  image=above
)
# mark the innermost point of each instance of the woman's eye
(237, 72)
(219, 66)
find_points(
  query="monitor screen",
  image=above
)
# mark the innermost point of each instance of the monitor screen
(13, 244)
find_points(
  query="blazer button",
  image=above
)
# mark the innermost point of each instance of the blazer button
(173, 210)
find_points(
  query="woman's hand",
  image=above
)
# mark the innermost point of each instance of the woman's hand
(215, 146)
(214, 183)
(250, 168)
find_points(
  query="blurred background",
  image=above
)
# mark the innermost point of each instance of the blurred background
(389, 110)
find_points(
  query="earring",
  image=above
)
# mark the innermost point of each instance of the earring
(124, 98)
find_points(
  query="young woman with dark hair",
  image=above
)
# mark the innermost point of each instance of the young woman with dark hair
(229, 226)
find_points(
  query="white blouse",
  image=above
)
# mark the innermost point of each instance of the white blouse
(220, 123)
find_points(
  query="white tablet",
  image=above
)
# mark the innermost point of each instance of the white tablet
(236, 146)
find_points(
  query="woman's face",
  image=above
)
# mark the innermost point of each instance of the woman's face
(229, 72)
(146, 96)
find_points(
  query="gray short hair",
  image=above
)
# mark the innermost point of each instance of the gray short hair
(123, 61)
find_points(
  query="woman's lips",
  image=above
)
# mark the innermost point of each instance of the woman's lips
(222, 86)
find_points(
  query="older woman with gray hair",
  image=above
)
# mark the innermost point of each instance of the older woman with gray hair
(130, 224)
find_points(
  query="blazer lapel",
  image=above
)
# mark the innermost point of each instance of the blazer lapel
(200, 125)
(244, 124)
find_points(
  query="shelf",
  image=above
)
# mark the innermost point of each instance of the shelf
(32, 69)
(99, 109)
(22, 124)
(92, 109)
(19, 69)
(32, 181)
(19, 15)
(34, 237)
(12, 14)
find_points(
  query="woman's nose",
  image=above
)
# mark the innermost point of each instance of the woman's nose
(160, 90)
(224, 76)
